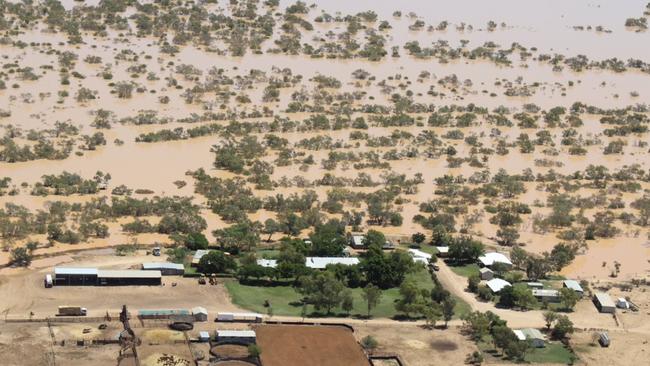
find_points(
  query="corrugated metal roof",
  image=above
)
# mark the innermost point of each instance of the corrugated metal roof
(532, 333)
(442, 250)
(268, 263)
(127, 273)
(162, 265)
(545, 293)
(161, 312)
(573, 285)
(75, 271)
(489, 259)
(519, 334)
(236, 333)
(497, 284)
(416, 253)
(199, 310)
(322, 262)
(604, 299)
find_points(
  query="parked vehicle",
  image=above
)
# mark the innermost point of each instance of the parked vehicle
(48, 281)
(603, 339)
(72, 311)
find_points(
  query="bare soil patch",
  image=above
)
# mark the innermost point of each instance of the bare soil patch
(284, 345)
(230, 350)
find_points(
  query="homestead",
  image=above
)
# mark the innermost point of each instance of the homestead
(532, 335)
(71, 276)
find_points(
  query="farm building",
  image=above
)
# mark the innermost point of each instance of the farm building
(268, 263)
(546, 295)
(534, 336)
(322, 262)
(489, 259)
(198, 255)
(356, 241)
(442, 251)
(486, 273)
(239, 317)
(537, 285)
(68, 276)
(420, 256)
(604, 303)
(200, 314)
(166, 268)
(204, 336)
(497, 284)
(65, 276)
(575, 286)
(128, 277)
(162, 313)
(236, 336)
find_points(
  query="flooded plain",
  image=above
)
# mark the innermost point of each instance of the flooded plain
(199, 85)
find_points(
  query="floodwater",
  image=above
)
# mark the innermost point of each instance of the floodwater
(546, 25)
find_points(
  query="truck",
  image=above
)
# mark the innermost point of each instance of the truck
(67, 310)
(48, 281)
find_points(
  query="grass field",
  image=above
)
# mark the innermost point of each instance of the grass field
(466, 270)
(286, 301)
(553, 353)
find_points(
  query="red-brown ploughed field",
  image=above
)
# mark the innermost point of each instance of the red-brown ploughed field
(299, 345)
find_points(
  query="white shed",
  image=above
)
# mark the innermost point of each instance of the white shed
(497, 284)
(200, 314)
(604, 303)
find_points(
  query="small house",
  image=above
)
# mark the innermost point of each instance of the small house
(546, 295)
(575, 286)
(200, 314)
(486, 274)
(236, 336)
(532, 335)
(537, 285)
(604, 303)
(497, 284)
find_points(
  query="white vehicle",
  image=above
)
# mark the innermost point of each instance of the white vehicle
(48, 281)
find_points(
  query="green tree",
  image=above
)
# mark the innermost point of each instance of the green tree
(412, 299)
(21, 256)
(473, 282)
(563, 327)
(524, 297)
(465, 249)
(477, 325)
(369, 343)
(254, 350)
(549, 318)
(568, 298)
(216, 262)
(448, 306)
(347, 303)
(372, 295)
(418, 238)
(432, 314)
(322, 290)
(243, 236)
(516, 350)
(328, 239)
(502, 336)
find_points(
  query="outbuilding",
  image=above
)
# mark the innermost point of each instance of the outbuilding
(497, 284)
(198, 255)
(575, 286)
(236, 336)
(486, 273)
(75, 276)
(165, 268)
(357, 242)
(128, 277)
(322, 262)
(200, 314)
(604, 303)
(546, 295)
(532, 335)
(204, 336)
(442, 251)
(489, 259)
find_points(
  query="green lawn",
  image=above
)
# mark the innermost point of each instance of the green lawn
(552, 353)
(465, 270)
(286, 301)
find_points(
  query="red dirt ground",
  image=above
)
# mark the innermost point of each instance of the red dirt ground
(299, 345)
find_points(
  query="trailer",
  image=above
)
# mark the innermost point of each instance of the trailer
(239, 317)
(67, 310)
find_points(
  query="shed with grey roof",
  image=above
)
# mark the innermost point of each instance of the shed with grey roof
(166, 268)
(604, 303)
(575, 286)
(236, 336)
(75, 276)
